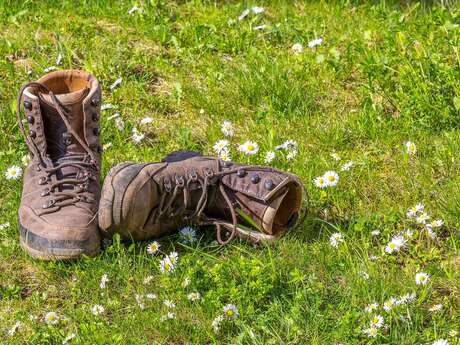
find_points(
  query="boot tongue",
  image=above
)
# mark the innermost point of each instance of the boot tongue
(60, 143)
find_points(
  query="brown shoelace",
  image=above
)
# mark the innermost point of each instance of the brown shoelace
(83, 162)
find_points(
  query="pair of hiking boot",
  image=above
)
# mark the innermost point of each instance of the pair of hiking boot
(64, 211)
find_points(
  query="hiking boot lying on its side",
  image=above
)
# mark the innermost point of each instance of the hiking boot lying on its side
(150, 200)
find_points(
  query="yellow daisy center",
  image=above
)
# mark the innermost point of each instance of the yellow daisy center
(250, 147)
(167, 267)
(331, 178)
(392, 245)
(229, 312)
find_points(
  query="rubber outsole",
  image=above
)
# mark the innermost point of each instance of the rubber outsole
(50, 250)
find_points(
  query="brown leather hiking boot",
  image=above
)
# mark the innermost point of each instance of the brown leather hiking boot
(141, 201)
(58, 211)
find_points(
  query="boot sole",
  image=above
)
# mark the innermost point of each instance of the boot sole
(51, 250)
(111, 200)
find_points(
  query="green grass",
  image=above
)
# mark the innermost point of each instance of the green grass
(385, 73)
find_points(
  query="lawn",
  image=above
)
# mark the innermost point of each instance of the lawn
(347, 81)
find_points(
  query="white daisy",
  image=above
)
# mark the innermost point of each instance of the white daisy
(453, 333)
(230, 311)
(49, 69)
(414, 210)
(288, 145)
(335, 156)
(104, 280)
(377, 321)
(371, 307)
(119, 123)
(153, 248)
(140, 301)
(422, 278)
(297, 48)
(371, 332)
(173, 257)
(225, 155)
(422, 218)
(257, 10)
(186, 282)
(411, 149)
(25, 159)
(146, 121)
(437, 223)
(13, 172)
(51, 318)
(12, 331)
(408, 233)
(436, 307)
(332, 178)
(249, 148)
(187, 234)
(440, 342)
(116, 83)
(194, 296)
(364, 274)
(430, 232)
(243, 14)
(315, 42)
(58, 59)
(227, 128)
(320, 182)
(137, 136)
(347, 166)
(106, 146)
(166, 266)
(169, 316)
(269, 157)
(395, 244)
(216, 323)
(148, 279)
(4, 225)
(389, 304)
(97, 309)
(220, 145)
(335, 239)
(375, 232)
(151, 296)
(169, 304)
(291, 155)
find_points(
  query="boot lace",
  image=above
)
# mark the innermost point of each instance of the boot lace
(85, 163)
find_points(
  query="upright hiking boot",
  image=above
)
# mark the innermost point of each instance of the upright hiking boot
(141, 201)
(60, 197)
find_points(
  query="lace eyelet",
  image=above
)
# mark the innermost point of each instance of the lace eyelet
(167, 184)
(180, 181)
(193, 176)
(208, 173)
(45, 192)
(43, 180)
(49, 204)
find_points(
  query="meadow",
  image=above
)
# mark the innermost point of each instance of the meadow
(367, 90)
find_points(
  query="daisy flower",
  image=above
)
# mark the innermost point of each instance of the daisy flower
(51, 318)
(106, 106)
(169, 304)
(422, 218)
(104, 280)
(437, 223)
(194, 296)
(169, 316)
(97, 309)
(269, 157)
(332, 178)
(377, 321)
(25, 159)
(173, 257)
(140, 301)
(395, 244)
(153, 248)
(320, 182)
(422, 278)
(440, 342)
(137, 136)
(371, 307)
(187, 234)
(371, 332)
(335, 239)
(220, 145)
(4, 225)
(297, 48)
(347, 166)
(227, 128)
(414, 210)
(411, 149)
(225, 155)
(407, 298)
(375, 232)
(151, 296)
(68, 338)
(315, 42)
(12, 331)
(291, 155)
(166, 266)
(13, 172)
(430, 232)
(133, 9)
(257, 10)
(288, 145)
(249, 148)
(186, 282)
(146, 120)
(243, 14)
(335, 156)
(148, 279)
(230, 311)
(119, 123)
(216, 323)
(436, 307)
(389, 304)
